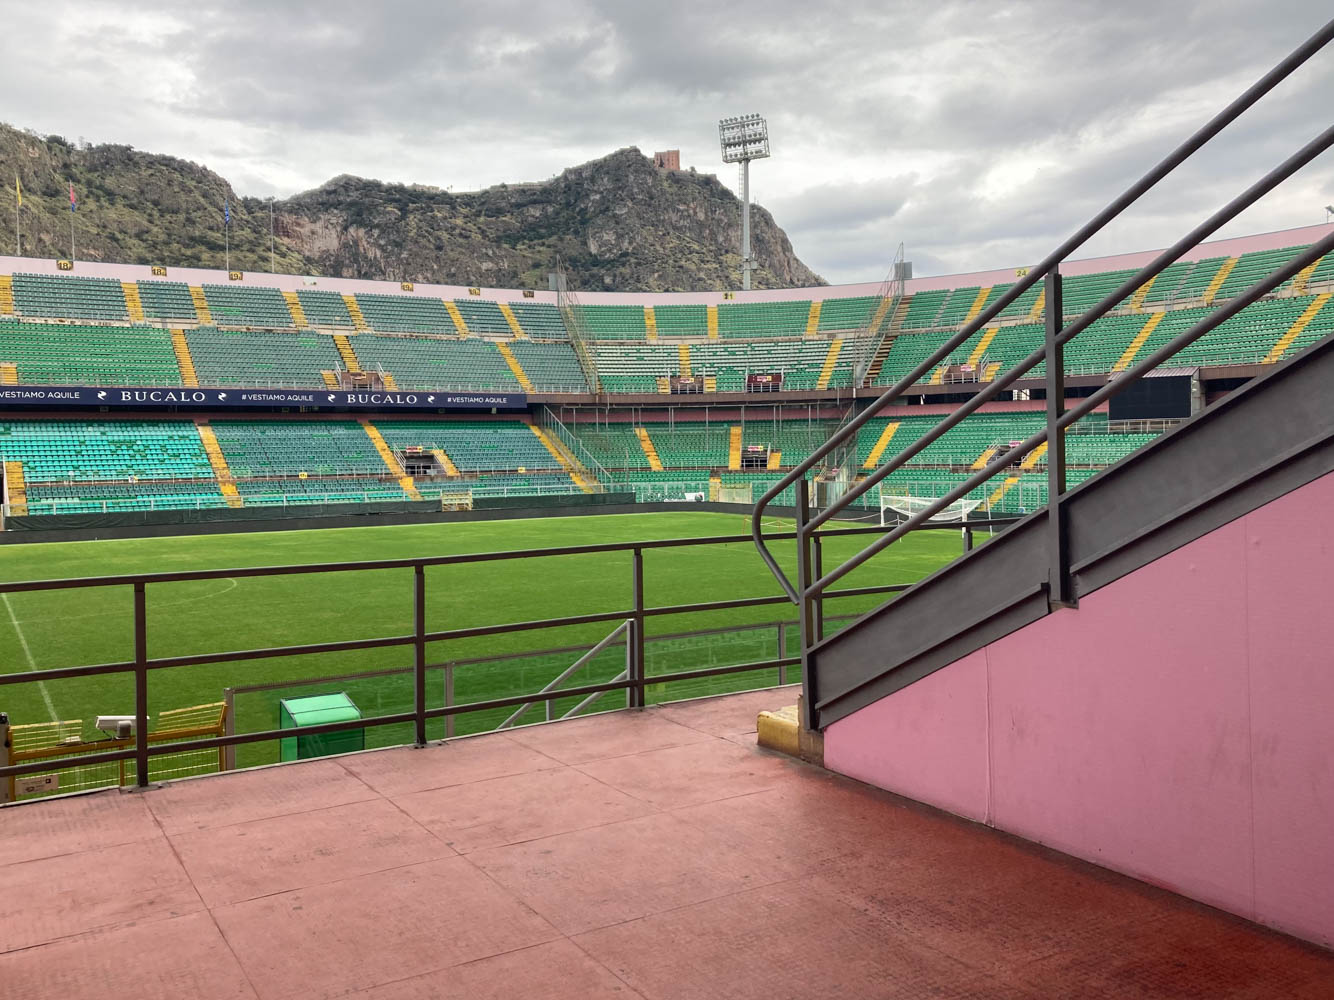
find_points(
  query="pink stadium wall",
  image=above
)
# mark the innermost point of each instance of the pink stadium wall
(1178, 726)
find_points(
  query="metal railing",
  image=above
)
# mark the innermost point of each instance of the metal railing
(633, 682)
(812, 581)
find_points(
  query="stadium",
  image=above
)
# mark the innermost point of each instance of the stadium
(912, 607)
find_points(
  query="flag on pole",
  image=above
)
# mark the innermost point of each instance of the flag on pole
(73, 201)
(226, 212)
(18, 190)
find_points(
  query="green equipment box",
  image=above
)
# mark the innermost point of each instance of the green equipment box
(314, 711)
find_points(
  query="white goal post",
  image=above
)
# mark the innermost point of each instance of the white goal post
(897, 505)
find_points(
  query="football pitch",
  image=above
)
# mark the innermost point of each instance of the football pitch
(48, 629)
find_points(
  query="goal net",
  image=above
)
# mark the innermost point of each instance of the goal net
(897, 506)
(736, 492)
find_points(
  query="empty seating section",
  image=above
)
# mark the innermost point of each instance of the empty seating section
(1020, 307)
(682, 321)
(1083, 291)
(796, 439)
(847, 314)
(694, 445)
(614, 446)
(49, 296)
(624, 368)
(614, 322)
(437, 362)
(345, 489)
(167, 300)
(97, 450)
(1196, 282)
(1250, 268)
(405, 314)
(957, 307)
(747, 320)
(237, 305)
(473, 446)
(257, 448)
(83, 355)
(923, 308)
(1324, 272)
(484, 317)
(258, 359)
(1166, 287)
(540, 320)
(96, 498)
(550, 367)
(1245, 338)
(799, 362)
(324, 309)
(906, 352)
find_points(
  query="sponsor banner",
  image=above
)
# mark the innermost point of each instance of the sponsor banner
(125, 397)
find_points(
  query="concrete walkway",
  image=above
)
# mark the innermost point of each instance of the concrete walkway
(654, 854)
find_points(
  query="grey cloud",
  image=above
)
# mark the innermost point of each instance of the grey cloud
(888, 118)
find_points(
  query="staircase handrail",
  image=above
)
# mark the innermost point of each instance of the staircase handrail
(1057, 336)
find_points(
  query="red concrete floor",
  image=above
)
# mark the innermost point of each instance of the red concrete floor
(654, 854)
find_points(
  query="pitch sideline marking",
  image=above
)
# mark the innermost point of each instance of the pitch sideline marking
(160, 604)
(32, 664)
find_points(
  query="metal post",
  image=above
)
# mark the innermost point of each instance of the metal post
(804, 617)
(1059, 592)
(637, 638)
(967, 538)
(140, 685)
(818, 569)
(449, 699)
(419, 651)
(782, 652)
(745, 225)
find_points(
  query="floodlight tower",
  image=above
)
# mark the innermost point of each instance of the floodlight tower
(743, 139)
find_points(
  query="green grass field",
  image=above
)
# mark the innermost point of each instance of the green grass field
(63, 628)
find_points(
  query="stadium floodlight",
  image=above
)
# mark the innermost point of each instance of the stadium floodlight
(744, 138)
(1329, 212)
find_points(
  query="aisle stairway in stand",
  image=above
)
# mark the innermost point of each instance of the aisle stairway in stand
(734, 447)
(9, 373)
(522, 376)
(345, 351)
(1129, 355)
(564, 458)
(354, 310)
(221, 472)
(1300, 324)
(6, 295)
(298, 313)
(512, 321)
(184, 360)
(830, 360)
(390, 461)
(17, 490)
(650, 452)
(201, 305)
(446, 462)
(881, 443)
(134, 306)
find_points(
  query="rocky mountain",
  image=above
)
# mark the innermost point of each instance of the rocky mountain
(617, 223)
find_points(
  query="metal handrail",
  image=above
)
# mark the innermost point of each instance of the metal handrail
(634, 681)
(1046, 269)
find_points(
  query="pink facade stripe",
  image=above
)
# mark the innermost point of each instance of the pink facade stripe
(1177, 727)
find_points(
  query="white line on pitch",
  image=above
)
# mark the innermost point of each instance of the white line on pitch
(32, 664)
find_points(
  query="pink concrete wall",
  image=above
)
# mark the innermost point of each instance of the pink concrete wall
(1178, 726)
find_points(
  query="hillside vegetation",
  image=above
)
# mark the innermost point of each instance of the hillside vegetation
(617, 223)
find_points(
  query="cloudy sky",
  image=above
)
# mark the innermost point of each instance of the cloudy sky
(976, 132)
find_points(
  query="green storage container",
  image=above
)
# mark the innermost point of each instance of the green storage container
(316, 710)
